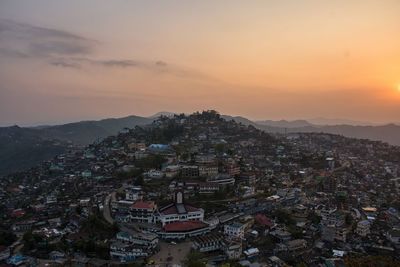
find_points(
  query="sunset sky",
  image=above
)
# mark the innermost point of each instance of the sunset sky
(64, 61)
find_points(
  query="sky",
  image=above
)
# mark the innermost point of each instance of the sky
(63, 61)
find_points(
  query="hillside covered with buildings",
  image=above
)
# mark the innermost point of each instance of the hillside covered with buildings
(197, 190)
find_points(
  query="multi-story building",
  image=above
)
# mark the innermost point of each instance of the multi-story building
(143, 211)
(126, 252)
(147, 240)
(178, 211)
(190, 171)
(208, 170)
(363, 228)
(234, 230)
(134, 193)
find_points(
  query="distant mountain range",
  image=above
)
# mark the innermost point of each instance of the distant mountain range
(389, 133)
(285, 123)
(24, 147)
(86, 132)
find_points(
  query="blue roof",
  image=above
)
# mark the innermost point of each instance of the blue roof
(159, 147)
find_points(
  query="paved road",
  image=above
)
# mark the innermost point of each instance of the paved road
(107, 207)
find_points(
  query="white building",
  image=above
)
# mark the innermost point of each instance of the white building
(179, 211)
(172, 171)
(134, 193)
(155, 174)
(234, 230)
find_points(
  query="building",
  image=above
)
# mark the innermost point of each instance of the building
(233, 249)
(147, 240)
(296, 246)
(133, 193)
(208, 170)
(208, 243)
(251, 253)
(5, 253)
(184, 229)
(234, 230)
(394, 236)
(190, 171)
(363, 228)
(222, 180)
(208, 188)
(23, 226)
(172, 171)
(143, 211)
(179, 211)
(154, 174)
(125, 252)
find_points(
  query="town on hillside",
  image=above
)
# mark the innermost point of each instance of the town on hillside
(199, 190)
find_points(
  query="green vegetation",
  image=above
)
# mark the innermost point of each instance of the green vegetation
(98, 229)
(150, 162)
(7, 238)
(194, 259)
(284, 217)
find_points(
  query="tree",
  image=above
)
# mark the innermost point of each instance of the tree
(7, 238)
(193, 259)
(139, 181)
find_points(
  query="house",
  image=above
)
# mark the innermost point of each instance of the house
(17, 260)
(133, 193)
(394, 236)
(208, 243)
(160, 149)
(281, 235)
(155, 174)
(125, 252)
(234, 230)
(296, 245)
(264, 221)
(56, 255)
(172, 171)
(233, 249)
(147, 240)
(251, 253)
(24, 226)
(51, 199)
(363, 228)
(5, 253)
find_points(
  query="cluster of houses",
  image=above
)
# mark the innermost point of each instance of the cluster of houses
(229, 190)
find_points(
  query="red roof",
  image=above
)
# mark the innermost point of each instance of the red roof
(18, 213)
(264, 220)
(143, 205)
(184, 226)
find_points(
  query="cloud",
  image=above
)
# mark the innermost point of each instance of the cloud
(107, 63)
(25, 40)
(64, 64)
(161, 63)
(64, 49)
(9, 52)
(124, 63)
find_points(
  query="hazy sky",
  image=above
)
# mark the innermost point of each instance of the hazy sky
(72, 60)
